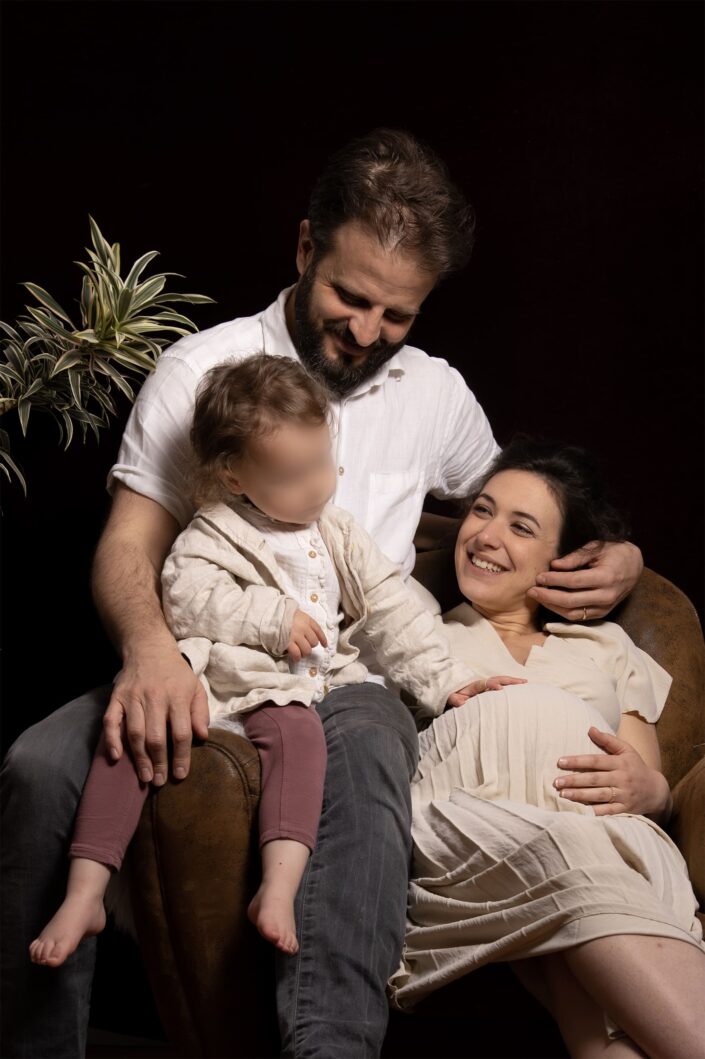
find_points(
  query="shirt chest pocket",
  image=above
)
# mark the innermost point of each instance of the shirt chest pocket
(393, 512)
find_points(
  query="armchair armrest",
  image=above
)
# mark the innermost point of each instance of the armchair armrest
(687, 826)
(193, 868)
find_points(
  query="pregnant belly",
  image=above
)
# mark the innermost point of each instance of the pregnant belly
(504, 745)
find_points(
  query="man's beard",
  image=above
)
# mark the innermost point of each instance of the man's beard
(342, 376)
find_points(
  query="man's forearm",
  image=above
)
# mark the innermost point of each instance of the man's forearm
(156, 690)
(127, 595)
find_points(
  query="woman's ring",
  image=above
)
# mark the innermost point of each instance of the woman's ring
(612, 795)
(584, 613)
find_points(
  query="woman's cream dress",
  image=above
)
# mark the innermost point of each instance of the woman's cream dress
(504, 868)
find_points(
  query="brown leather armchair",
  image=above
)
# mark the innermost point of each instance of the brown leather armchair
(193, 867)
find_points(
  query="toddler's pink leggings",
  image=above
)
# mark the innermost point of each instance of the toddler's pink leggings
(292, 750)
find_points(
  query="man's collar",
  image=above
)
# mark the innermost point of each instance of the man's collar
(393, 368)
(277, 339)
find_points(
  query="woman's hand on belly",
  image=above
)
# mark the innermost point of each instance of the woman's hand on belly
(616, 781)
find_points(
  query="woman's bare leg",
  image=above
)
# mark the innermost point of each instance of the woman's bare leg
(80, 915)
(652, 987)
(579, 1018)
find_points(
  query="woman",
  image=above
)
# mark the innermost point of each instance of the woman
(522, 853)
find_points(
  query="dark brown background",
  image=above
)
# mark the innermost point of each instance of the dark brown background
(197, 129)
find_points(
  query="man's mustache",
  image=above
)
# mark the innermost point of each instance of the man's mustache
(343, 331)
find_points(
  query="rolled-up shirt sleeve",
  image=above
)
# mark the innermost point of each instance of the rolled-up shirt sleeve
(155, 451)
(155, 457)
(468, 446)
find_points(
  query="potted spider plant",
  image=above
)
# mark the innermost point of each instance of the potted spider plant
(49, 365)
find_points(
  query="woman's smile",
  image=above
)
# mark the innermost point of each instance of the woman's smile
(486, 565)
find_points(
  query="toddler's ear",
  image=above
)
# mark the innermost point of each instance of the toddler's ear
(231, 483)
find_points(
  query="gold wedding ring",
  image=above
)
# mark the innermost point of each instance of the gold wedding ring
(612, 795)
(584, 613)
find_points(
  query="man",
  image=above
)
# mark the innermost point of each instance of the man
(385, 225)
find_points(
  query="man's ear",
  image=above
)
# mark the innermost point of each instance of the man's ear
(304, 250)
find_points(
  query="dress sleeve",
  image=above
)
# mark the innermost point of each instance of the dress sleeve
(642, 685)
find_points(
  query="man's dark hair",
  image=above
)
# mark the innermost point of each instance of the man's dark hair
(574, 478)
(400, 190)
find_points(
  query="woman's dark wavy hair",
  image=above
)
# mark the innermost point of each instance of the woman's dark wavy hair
(574, 478)
(400, 190)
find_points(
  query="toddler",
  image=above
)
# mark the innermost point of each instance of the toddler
(264, 590)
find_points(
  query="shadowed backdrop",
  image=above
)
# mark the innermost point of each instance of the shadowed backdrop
(197, 129)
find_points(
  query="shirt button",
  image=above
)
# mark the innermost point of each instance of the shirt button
(312, 554)
(341, 470)
(312, 671)
(313, 597)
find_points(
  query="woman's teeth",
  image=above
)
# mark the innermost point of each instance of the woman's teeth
(484, 565)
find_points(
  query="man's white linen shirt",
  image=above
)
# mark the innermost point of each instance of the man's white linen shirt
(413, 428)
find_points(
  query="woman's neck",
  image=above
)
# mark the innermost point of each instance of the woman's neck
(511, 623)
(518, 630)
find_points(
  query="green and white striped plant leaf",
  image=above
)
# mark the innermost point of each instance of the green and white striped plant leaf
(48, 364)
(46, 299)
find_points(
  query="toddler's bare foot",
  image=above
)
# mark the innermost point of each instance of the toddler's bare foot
(273, 914)
(78, 917)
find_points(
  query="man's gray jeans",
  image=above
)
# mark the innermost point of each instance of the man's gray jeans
(350, 908)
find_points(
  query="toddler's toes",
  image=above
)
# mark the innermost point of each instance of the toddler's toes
(291, 945)
(40, 950)
(57, 951)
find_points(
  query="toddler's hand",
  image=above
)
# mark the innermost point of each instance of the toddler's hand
(458, 698)
(304, 636)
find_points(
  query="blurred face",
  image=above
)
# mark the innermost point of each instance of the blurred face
(510, 535)
(288, 474)
(352, 310)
